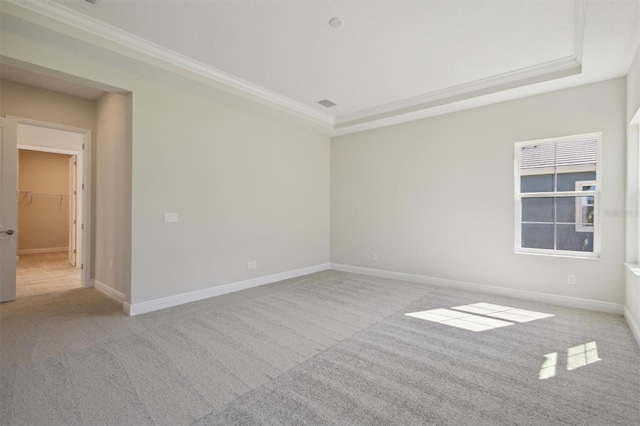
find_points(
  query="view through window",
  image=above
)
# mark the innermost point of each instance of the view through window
(557, 196)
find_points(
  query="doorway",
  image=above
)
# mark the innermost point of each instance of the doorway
(46, 234)
(52, 206)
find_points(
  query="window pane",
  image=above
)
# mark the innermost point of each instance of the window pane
(537, 235)
(537, 210)
(567, 238)
(537, 183)
(566, 209)
(567, 181)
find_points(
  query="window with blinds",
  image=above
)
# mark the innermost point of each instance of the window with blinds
(556, 196)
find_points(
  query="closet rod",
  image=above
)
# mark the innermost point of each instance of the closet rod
(45, 194)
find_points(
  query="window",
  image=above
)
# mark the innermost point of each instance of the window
(556, 190)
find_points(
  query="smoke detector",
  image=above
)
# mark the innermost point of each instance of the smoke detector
(336, 22)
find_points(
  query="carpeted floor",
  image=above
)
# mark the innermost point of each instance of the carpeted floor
(328, 348)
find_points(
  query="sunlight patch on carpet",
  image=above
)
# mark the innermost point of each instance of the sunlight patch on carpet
(479, 316)
(577, 356)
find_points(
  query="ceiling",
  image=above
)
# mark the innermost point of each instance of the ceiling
(390, 61)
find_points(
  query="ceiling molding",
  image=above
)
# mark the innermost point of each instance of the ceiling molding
(579, 19)
(129, 41)
(537, 73)
(60, 18)
(530, 75)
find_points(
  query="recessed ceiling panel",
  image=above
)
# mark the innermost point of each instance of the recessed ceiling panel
(380, 62)
(384, 52)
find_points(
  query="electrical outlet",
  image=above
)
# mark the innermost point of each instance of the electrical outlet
(170, 217)
(374, 257)
(571, 280)
(253, 264)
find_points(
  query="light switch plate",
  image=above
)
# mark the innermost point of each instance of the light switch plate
(170, 217)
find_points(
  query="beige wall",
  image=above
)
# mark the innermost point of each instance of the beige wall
(34, 103)
(109, 121)
(246, 186)
(435, 197)
(112, 194)
(43, 219)
(21, 100)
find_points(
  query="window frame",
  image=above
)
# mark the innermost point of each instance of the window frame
(519, 196)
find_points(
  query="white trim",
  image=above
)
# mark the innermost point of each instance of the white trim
(574, 302)
(43, 250)
(634, 268)
(180, 299)
(561, 170)
(84, 159)
(497, 83)
(131, 42)
(635, 329)
(109, 291)
(557, 253)
(579, 20)
(518, 196)
(118, 40)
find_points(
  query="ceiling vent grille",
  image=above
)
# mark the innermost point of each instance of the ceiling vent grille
(327, 103)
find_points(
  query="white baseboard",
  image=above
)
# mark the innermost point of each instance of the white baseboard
(635, 329)
(109, 291)
(42, 250)
(554, 299)
(179, 299)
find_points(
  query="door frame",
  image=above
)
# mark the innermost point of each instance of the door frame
(83, 186)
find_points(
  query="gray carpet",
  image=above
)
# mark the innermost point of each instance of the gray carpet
(328, 348)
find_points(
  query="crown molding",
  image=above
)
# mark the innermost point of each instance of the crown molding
(118, 40)
(59, 18)
(579, 19)
(510, 80)
(537, 73)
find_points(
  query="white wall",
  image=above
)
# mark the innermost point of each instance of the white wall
(112, 193)
(246, 187)
(632, 278)
(435, 197)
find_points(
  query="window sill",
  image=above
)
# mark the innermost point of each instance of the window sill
(634, 268)
(564, 256)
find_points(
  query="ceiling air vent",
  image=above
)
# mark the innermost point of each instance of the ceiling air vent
(327, 103)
